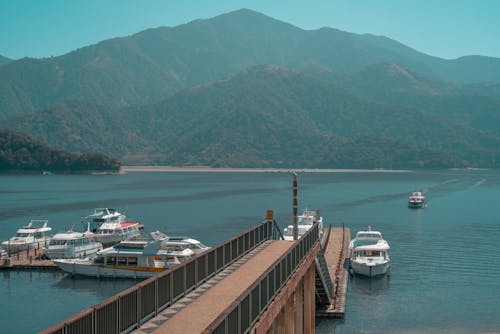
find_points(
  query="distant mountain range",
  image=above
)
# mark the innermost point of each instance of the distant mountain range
(245, 90)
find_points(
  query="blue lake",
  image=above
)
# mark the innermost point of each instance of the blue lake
(445, 271)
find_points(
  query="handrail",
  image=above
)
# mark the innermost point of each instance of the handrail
(134, 306)
(246, 310)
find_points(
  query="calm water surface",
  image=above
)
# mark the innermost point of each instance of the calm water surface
(445, 271)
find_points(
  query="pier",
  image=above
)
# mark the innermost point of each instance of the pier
(27, 260)
(251, 283)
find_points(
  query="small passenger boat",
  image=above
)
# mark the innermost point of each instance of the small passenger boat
(368, 254)
(137, 258)
(416, 200)
(71, 244)
(111, 227)
(304, 222)
(34, 235)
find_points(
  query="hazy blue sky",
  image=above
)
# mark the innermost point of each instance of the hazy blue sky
(443, 28)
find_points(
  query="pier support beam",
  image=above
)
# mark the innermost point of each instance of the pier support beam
(299, 308)
(309, 302)
(304, 305)
(289, 315)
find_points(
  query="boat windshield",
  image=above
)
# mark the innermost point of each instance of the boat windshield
(368, 235)
(370, 253)
(24, 235)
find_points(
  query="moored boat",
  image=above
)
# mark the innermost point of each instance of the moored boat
(71, 244)
(368, 254)
(181, 242)
(34, 235)
(111, 227)
(416, 200)
(128, 259)
(304, 222)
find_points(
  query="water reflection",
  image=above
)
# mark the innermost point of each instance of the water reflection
(101, 288)
(371, 286)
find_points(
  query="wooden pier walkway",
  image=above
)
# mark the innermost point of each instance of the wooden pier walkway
(31, 260)
(335, 254)
(209, 301)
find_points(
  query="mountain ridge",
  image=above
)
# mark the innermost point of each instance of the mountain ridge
(152, 64)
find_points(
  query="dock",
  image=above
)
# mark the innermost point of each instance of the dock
(336, 250)
(252, 283)
(28, 260)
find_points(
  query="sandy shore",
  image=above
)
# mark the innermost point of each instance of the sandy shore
(127, 169)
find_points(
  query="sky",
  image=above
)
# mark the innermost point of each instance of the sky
(442, 28)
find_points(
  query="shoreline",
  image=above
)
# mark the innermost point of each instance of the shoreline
(127, 169)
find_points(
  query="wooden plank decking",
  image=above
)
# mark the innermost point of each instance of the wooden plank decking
(335, 254)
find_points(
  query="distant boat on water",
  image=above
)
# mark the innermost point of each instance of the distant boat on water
(417, 200)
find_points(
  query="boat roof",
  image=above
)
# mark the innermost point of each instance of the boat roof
(380, 245)
(35, 225)
(103, 213)
(116, 225)
(368, 235)
(69, 235)
(182, 239)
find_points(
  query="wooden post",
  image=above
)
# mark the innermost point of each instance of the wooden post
(299, 308)
(289, 315)
(308, 294)
(280, 322)
(295, 208)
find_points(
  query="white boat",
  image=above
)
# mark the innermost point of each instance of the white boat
(179, 243)
(32, 236)
(128, 259)
(111, 226)
(416, 200)
(304, 222)
(71, 244)
(368, 254)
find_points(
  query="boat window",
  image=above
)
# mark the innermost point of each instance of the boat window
(99, 259)
(111, 260)
(132, 261)
(122, 261)
(114, 218)
(99, 220)
(55, 242)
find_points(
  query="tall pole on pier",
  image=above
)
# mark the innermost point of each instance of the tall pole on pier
(295, 207)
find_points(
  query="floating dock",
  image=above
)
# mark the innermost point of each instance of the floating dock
(30, 260)
(336, 249)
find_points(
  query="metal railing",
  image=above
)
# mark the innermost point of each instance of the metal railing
(131, 308)
(241, 316)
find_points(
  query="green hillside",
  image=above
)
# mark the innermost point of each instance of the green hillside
(153, 64)
(21, 153)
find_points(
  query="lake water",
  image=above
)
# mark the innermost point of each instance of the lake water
(445, 275)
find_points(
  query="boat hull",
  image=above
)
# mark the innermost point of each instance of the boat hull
(416, 205)
(370, 269)
(85, 269)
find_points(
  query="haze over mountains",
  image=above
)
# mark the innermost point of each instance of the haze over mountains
(245, 90)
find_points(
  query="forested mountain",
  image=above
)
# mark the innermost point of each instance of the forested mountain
(20, 152)
(245, 90)
(4, 60)
(268, 116)
(150, 65)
